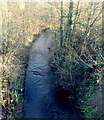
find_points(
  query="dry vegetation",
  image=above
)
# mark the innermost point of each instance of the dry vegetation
(20, 23)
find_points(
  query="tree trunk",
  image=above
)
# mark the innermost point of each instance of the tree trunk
(61, 26)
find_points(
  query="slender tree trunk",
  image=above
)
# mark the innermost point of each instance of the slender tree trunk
(69, 37)
(69, 23)
(61, 26)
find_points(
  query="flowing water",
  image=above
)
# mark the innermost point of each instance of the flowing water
(41, 100)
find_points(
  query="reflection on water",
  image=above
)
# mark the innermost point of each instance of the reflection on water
(40, 96)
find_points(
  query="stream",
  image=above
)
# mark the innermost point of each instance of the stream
(40, 95)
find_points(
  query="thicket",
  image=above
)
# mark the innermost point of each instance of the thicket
(77, 60)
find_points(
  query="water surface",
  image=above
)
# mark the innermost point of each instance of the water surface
(40, 96)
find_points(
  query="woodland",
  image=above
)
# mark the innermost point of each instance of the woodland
(76, 55)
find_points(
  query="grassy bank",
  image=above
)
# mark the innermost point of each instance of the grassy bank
(13, 86)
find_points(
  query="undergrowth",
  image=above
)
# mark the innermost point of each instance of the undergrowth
(75, 75)
(13, 86)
